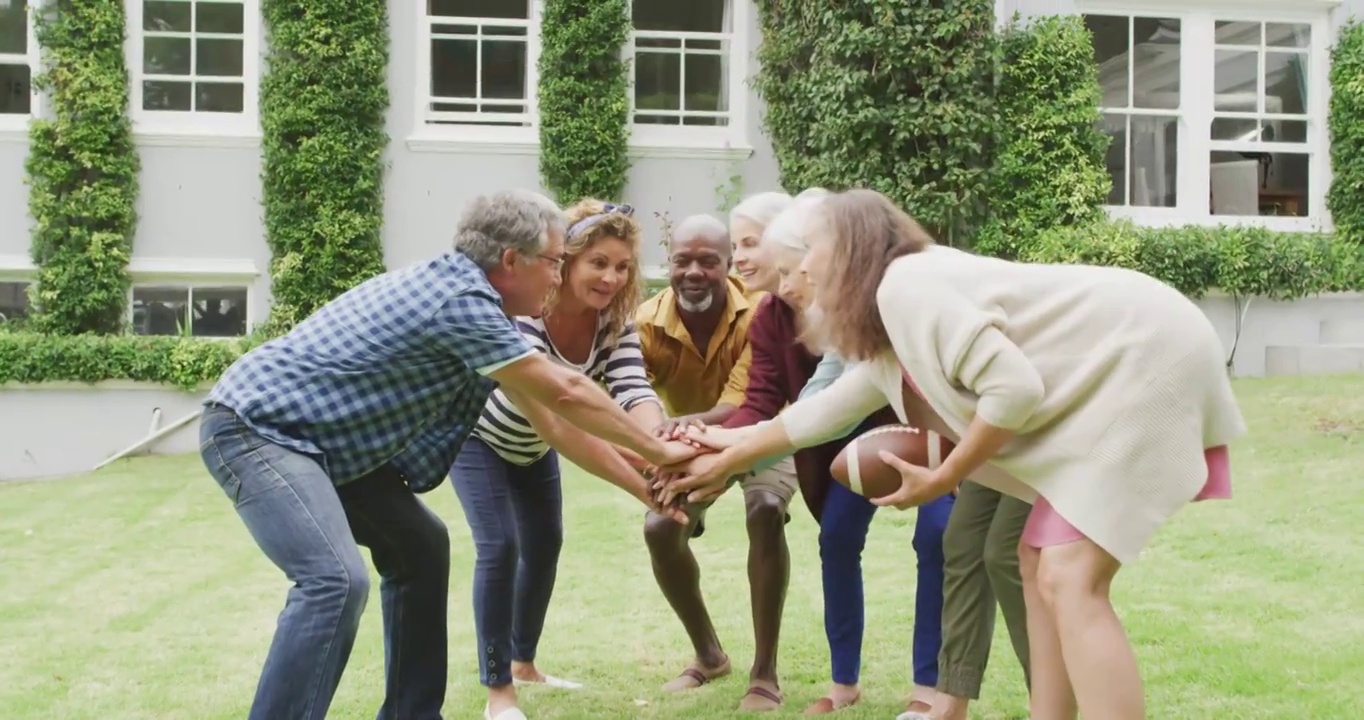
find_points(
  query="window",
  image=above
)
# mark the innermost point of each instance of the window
(479, 57)
(189, 311)
(13, 301)
(687, 69)
(1214, 116)
(195, 63)
(18, 52)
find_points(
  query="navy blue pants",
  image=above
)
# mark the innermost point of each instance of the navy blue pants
(842, 535)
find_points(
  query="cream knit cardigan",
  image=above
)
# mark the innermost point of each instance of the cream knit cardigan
(1114, 382)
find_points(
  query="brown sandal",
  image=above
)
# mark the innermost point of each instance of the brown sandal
(763, 699)
(826, 705)
(695, 675)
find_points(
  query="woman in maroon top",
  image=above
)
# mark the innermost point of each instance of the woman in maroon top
(781, 367)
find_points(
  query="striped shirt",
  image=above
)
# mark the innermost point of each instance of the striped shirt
(615, 362)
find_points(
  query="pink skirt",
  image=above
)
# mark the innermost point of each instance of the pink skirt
(1045, 527)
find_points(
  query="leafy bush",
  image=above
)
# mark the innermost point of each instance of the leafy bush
(1049, 159)
(1346, 123)
(1238, 260)
(893, 95)
(186, 363)
(323, 101)
(584, 106)
(82, 171)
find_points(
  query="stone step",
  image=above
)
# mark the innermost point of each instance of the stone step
(1314, 359)
(1343, 331)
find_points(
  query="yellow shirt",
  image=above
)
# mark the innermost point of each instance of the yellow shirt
(687, 381)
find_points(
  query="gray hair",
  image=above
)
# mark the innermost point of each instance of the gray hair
(814, 192)
(518, 220)
(760, 208)
(791, 229)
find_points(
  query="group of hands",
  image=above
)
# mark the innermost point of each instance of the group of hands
(693, 470)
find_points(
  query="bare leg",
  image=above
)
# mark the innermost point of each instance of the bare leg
(1052, 697)
(679, 577)
(1075, 579)
(769, 570)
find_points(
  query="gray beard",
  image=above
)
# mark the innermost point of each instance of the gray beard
(696, 307)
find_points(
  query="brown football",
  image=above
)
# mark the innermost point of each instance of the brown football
(860, 469)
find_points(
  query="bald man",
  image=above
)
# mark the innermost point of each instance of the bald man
(694, 337)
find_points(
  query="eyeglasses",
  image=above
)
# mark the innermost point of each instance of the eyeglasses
(556, 262)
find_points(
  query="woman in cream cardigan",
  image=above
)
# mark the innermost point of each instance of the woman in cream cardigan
(1098, 394)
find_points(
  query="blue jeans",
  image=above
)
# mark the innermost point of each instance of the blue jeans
(312, 530)
(844, 523)
(516, 516)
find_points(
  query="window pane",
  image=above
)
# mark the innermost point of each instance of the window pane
(1111, 43)
(212, 17)
(504, 69)
(1235, 80)
(706, 83)
(160, 311)
(160, 16)
(16, 91)
(1115, 159)
(1286, 83)
(165, 95)
(453, 68)
(219, 97)
(1155, 70)
(1155, 161)
(1259, 184)
(1288, 36)
(14, 27)
(218, 58)
(165, 56)
(689, 16)
(1235, 129)
(219, 312)
(13, 301)
(1237, 33)
(513, 9)
(658, 78)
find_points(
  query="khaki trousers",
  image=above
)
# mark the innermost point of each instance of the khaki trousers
(980, 549)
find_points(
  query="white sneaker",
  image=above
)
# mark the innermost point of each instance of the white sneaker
(508, 714)
(913, 715)
(551, 681)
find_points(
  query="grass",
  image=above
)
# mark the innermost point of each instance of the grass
(135, 593)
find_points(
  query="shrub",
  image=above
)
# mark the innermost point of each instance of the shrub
(1345, 120)
(893, 95)
(185, 363)
(1237, 260)
(323, 100)
(82, 171)
(584, 107)
(1049, 159)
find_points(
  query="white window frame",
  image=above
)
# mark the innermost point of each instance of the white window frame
(684, 140)
(473, 129)
(1196, 83)
(156, 272)
(172, 124)
(15, 126)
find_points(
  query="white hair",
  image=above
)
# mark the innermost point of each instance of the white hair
(814, 192)
(791, 229)
(760, 208)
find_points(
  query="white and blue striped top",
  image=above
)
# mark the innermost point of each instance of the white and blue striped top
(616, 362)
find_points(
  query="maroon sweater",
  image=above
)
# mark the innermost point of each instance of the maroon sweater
(781, 367)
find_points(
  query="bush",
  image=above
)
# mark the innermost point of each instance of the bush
(323, 101)
(185, 363)
(584, 106)
(1237, 260)
(1345, 120)
(1049, 159)
(82, 171)
(893, 95)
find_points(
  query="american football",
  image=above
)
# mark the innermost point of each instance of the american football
(860, 469)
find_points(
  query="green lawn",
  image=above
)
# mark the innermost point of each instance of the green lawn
(136, 593)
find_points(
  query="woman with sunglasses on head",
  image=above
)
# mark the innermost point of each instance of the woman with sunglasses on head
(507, 475)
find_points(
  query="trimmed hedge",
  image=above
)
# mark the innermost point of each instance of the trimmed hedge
(1237, 260)
(185, 363)
(583, 99)
(896, 96)
(82, 171)
(323, 99)
(1049, 158)
(1345, 120)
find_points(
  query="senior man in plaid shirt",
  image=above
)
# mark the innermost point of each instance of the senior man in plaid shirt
(322, 438)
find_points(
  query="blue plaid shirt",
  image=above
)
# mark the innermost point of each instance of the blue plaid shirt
(388, 372)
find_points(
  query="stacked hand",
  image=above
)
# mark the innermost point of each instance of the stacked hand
(696, 472)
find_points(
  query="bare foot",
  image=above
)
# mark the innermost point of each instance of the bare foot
(948, 707)
(839, 697)
(697, 674)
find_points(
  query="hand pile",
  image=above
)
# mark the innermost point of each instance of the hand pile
(696, 468)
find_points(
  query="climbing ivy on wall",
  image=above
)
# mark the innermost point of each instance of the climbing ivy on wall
(82, 170)
(323, 101)
(584, 106)
(1345, 120)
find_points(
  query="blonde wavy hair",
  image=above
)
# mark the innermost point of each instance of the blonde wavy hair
(590, 221)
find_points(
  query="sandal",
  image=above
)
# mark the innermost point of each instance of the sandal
(916, 710)
(759, 699)
(826, 705)
(694, 677)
